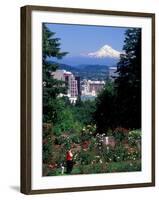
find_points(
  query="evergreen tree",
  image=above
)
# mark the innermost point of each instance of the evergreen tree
(105, 114)
(128, 81)
(119, 104)
(51, 87)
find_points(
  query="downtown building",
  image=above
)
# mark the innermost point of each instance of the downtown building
(90, 89)
(72, 83)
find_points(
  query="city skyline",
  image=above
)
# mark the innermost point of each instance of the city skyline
(85, 89)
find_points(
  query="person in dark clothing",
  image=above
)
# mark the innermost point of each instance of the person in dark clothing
(69, 162)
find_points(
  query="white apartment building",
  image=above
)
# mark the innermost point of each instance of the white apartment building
(70, 82)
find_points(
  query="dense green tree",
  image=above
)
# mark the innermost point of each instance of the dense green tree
(66, 118)
(128, 81)
(83, 111)
(105, 114)
(51, 87)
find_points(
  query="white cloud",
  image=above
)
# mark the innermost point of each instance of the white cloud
(104, 52)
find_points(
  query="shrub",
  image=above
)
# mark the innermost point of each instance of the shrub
(85, 136)
(47, 129)
(76, 128)
(47, 150)
(76, 170)
(134, 154)
(100, 139)
(85, 157)
(59, 140)
(93, 144)
(124, 166)
(97, 168)
(88, 132)
(92, 169)
(55, 172)
(120, 153)
(134, 137)
(75, 139)
(57, 130)
(115, 155)
(109, 155)
(58, 156)
(120, 134)
(63, 140)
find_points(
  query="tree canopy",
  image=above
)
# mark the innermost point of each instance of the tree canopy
(51, 87)
(105, 114)
(128, 82)
(119, 104)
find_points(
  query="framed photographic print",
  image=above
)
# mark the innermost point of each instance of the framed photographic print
(87, 99)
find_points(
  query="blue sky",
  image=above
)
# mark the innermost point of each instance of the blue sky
(81, 39)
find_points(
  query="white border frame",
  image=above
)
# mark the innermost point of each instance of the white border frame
(39, 182)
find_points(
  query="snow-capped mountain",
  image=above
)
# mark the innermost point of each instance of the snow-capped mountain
(105, 51)
(106, 55)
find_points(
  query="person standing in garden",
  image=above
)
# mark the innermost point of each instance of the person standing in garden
(69, 161)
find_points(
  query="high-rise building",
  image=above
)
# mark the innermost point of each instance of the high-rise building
(77, 78)
(72, 83)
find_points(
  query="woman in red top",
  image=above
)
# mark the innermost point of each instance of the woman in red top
(69, 161)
